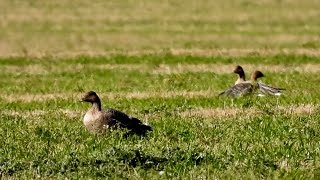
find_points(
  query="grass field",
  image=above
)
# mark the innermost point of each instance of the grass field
(163, 62)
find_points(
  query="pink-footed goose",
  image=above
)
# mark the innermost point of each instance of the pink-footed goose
(265, 89)
(98, 120)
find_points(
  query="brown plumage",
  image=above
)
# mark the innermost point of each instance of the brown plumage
(265, 89)
(244, 88)
(98, 120)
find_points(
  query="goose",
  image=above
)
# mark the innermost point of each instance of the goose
(244, 88)
(97, 120)
(265, 89)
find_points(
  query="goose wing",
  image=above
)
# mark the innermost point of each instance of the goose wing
(267, 89)
(128, 122)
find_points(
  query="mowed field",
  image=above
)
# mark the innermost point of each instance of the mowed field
(163, 62)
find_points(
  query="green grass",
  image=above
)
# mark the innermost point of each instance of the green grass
(163, 62)
(45, 138)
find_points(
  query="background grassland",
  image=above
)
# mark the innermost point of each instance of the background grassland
(41, 28)
(163, 62)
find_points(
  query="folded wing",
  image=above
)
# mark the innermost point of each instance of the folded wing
(128, 122)
(269, 90)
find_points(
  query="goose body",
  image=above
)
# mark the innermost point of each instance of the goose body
(244, 88)
(240, 89)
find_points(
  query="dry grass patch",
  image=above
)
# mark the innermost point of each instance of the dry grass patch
(226, 112)
(37, 52)
(303, 109)
(42, 69)
(41, 51)
(37, 97)
(233, 52)
(105, 96)
(161, 68)
(39, 113)
(24, 114)
(28, 69)
(227, 68)
(234, 112)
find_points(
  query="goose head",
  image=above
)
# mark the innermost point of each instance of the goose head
(238, 70)
(91, 97)
(256, 75)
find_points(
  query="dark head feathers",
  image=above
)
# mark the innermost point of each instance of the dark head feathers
(90, 96)
(238, 70)
(257, 74)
